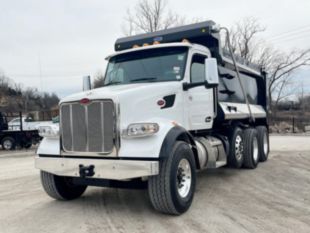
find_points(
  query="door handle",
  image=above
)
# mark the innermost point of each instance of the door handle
(231, 108)
(208, 119)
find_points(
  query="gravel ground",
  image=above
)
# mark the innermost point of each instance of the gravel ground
(275, 197)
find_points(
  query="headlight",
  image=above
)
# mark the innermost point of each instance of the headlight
(49, 131)
(141, 130)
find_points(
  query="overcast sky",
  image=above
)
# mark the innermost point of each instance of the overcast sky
(67, 39)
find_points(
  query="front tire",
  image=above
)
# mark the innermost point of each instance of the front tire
(251, 154)
(60, 187)
(8, 143)
(172, 190)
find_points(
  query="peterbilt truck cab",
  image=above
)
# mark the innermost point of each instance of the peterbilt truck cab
(171, 104)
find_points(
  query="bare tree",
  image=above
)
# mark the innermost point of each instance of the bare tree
(99, 78)
(281, 83)
(150, 16)
(244, 37)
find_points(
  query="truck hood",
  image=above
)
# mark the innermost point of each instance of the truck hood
(116, 92)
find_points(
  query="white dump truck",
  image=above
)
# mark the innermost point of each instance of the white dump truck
(173, 103)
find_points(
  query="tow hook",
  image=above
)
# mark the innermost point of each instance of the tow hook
(87, 171)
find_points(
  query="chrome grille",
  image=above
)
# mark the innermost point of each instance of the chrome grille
(88, 128)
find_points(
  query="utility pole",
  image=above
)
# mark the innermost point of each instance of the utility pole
(40, 73)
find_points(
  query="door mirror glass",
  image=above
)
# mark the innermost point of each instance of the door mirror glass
(211, 71)
(86, 83)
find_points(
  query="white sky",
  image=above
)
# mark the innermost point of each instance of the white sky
(71, 38)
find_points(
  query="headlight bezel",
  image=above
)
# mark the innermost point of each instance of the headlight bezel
(138, 130)
(49, 131)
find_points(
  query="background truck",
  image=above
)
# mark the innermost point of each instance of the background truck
(27, 122)
(173, 103)
(11, 136)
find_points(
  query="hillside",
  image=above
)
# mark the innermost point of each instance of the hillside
(14, 97)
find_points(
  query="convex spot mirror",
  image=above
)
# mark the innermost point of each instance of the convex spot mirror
(211, 72)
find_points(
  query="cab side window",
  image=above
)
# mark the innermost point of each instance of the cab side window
(198, 69)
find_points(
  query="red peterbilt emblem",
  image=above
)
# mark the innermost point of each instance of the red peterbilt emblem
(161, 103)
(85, 101)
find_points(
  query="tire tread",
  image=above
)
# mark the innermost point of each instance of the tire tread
(159, 186)
(248, 162)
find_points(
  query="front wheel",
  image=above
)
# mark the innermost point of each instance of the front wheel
(60, 187)
(8, 143)
(172, 190)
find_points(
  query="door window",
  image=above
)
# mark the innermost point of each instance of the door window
(198, 69)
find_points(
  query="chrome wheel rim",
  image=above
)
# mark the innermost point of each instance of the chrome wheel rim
(255, 149)
(184, 178)
(238, 147)
(265, 143)
(7, 144)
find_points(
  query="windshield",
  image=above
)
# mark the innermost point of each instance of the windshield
(153, 65)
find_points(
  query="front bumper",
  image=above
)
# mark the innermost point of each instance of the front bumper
(103, 168)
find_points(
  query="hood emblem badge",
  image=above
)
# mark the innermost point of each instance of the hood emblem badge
(85, 101)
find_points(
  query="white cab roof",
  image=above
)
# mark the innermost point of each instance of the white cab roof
(164, 45)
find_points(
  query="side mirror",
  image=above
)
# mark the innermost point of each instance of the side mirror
(211, 72)
(86, 83)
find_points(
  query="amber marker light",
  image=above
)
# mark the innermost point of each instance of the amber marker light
(175, 123)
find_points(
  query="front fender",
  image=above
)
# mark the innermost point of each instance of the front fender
(146, 147)
(49, 146)
(176, 133)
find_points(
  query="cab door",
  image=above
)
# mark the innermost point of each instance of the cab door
(200, 99)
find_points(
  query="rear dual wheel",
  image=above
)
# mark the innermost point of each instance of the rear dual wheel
(251, 153)
(263, 143)
(248, 147)
(256, 146)
(235, 156)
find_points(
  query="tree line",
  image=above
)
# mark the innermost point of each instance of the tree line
(14, 97)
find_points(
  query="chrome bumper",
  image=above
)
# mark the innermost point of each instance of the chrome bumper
(103, 168)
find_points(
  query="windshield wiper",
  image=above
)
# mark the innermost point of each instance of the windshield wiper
(111, 83)
(144, 79)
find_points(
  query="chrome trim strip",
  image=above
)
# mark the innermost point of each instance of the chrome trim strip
(71, 125)
(87, 128)
(102, 124)
(118, 127)
(104, 169)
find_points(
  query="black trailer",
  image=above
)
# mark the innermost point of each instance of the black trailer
(10, 138)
